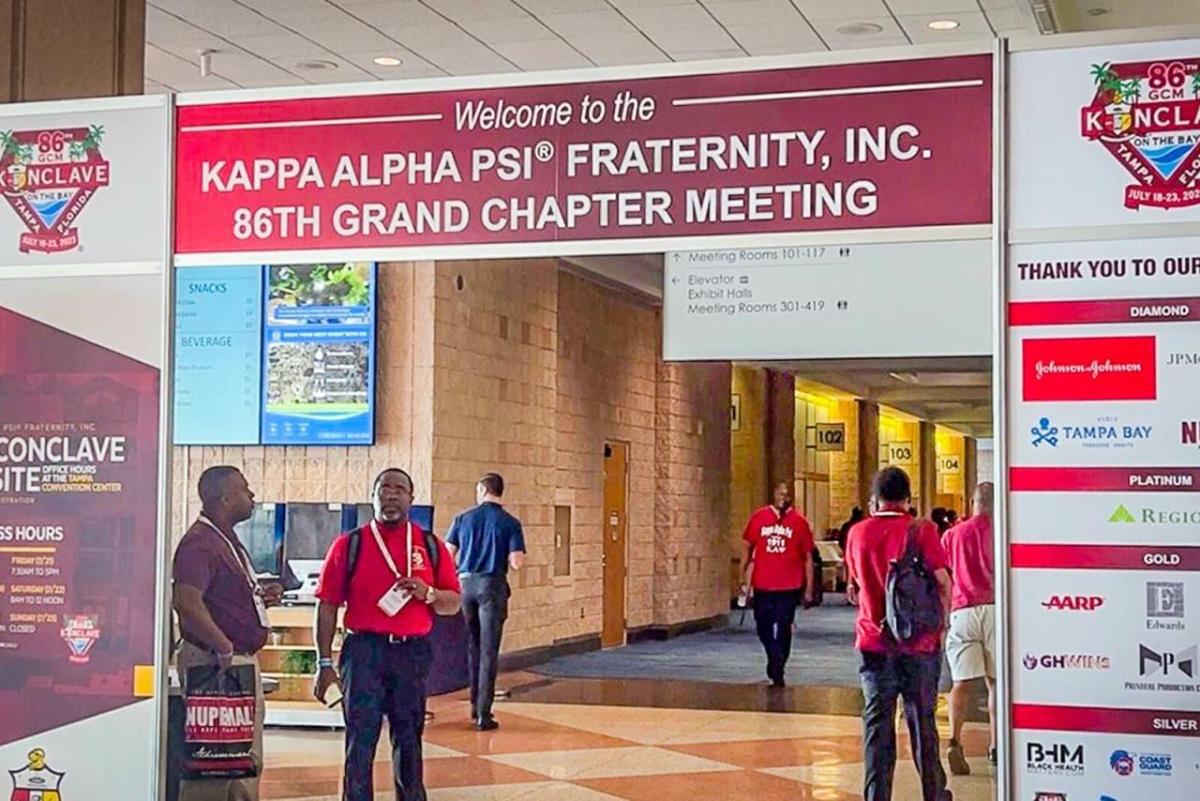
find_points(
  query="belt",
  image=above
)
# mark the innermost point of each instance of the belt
(391, 639)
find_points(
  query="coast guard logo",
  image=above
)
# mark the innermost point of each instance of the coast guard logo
(48, 177)
(80, 633)
(1147, 114)
(37, 781)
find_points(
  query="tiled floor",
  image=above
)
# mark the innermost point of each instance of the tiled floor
(576, 752)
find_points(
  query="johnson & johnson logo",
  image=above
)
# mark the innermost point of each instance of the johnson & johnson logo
(1090, 369)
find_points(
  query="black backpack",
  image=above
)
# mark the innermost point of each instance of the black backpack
(355, 546)
(914, 603)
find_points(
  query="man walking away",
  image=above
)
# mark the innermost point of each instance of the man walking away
(486, 541)
(779, 545)
(971, 640)
(897, 663)
(222, 609)
(393, 577)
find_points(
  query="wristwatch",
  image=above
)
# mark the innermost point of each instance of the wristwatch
(430, 595)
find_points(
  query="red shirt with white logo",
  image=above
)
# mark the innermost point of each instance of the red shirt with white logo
(373, 578)
(871, 547)
(969, 548)
(782, 547)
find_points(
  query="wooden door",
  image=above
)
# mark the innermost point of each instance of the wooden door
(616, 531)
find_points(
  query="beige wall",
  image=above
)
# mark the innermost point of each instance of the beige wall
(748, 454)
(528, 370)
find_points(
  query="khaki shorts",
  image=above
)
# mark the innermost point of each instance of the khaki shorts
(971, 643)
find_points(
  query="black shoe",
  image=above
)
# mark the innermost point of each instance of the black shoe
(778, 682)
(992, 756)
(488, 723)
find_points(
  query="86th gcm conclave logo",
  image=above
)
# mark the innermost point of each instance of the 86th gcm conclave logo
(1147, 114)
(48, 176)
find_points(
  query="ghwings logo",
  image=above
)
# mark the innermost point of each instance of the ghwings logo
(1147, 114)
(48, 177)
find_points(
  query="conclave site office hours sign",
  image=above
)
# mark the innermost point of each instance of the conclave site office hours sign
(855, 146)
(83, 233)
(1103, 376)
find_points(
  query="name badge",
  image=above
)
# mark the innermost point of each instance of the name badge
(394, 600)
(260, 606)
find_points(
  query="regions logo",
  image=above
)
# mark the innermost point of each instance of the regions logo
(1066, 662)
(1104, 432)
(1147, 116)
(80, 633)
(1155, 516)
(48, 177)
(1125, 763)
(1164, 606)
(36, 781)
(1089, 369)
(1074, 603)
(1055, 759)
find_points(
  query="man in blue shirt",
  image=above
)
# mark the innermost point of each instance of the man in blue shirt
(485, 541)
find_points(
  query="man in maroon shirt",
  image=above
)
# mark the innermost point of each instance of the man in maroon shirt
(891, 668)
(971, 640)
(779, 544)
(391, 592)
(222, 608)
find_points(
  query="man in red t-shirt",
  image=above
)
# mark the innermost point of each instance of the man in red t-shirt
(891, 668)
(779, 546)
(971, 640)
(391, 593)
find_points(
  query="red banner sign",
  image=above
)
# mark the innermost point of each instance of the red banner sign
(1089, 369)
(882, 145)
(1105, 720)
(1082, 312)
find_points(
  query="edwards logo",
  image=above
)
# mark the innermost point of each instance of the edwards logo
(48, 177)
(1147, 114)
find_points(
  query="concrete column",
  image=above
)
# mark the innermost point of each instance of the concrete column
(868, 448)
(970, 466)
(57, 49)
(928, 467)
(780, 420)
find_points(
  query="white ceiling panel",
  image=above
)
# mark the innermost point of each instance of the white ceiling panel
(284, 45)
(471, 60)
(248, 70)
(511, 29)
(846, 10)
(971, 26)
(636, 4)
(590, 24)
(921, 7)
(759, 39)
(411, 65)
(621, 48)
(753, 12)
(1011, 20)
(221, 17)
(706, 55)
(888, 32)
(553, 54)
(682, 28)
(461, 10)
(393, 14)
(541, 8)
(180, 74)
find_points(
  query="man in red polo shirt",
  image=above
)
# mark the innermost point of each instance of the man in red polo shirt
(779, 545)
(891, 668)
(391, 592)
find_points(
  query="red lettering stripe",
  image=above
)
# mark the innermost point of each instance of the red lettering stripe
(1108, 721)
(1126, 310)
(1104, 479)
(1105, 557)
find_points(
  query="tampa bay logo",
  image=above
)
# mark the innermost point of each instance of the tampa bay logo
(48, 177)
(1147, 114)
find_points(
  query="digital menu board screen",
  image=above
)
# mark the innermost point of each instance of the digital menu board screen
(218, 355)
(318, 356)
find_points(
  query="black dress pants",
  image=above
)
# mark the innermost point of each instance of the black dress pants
(384, 679)
(485, 606)
(774, 614)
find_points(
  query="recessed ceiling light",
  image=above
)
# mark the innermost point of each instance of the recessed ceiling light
(860, 29)
(317, 64)
(1097, 11)
(944, 24)
(387, 61)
